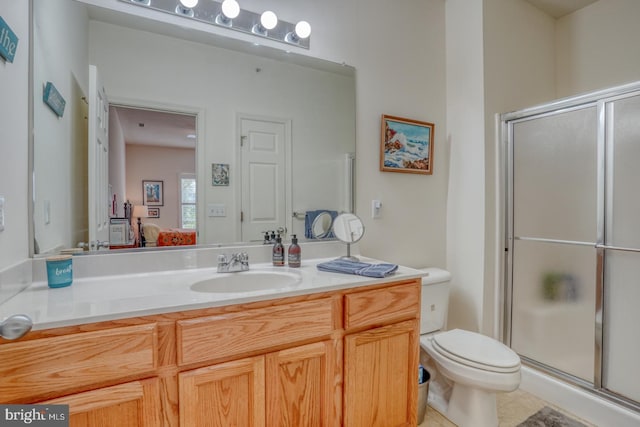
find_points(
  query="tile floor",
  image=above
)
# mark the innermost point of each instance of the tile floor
(513, 408)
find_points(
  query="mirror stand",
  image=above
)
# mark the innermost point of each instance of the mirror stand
(348, 256)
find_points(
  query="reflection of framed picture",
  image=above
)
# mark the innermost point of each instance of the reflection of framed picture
(153, 212)
(152, 193)
(220, 174)
(406, 146)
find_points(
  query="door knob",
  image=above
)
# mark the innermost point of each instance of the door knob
(15, 326)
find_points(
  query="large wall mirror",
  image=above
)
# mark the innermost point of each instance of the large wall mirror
(264, 135)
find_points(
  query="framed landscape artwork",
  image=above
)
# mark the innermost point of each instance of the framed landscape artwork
(406, 145)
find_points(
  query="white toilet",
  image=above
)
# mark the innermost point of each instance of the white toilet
(477, 365)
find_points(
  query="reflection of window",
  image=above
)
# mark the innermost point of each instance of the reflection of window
(187, 200)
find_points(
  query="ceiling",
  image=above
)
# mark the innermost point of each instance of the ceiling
(159, 128)
(559, 8)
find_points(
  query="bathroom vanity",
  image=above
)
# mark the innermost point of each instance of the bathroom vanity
(335, 350)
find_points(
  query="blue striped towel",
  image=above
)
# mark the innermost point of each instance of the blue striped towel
(360, 268)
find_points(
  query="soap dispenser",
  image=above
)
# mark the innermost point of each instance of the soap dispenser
(278, 252)
(294, 252)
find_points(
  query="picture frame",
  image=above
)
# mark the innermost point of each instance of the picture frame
(153, 212)
(406, 145)
(220, 174)
(153, 193)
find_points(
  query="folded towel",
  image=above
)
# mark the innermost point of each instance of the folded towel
(310, 216)
(360, 268)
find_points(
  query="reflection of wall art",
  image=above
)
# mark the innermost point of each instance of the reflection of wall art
(153, 212)
(406, 146)
(220, 173)
(8, 41)
(54, 99)
(152, 193)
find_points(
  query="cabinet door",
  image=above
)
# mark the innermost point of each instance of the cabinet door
(381, 376)
(227, 394)
(134, 404)
(303, 386)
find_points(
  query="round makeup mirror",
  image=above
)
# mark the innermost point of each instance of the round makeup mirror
(321, 226)
(349, 229)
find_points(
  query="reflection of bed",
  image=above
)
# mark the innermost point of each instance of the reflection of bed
(155, 236)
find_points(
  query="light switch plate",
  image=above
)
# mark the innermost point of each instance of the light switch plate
(216, 210)
(1, 213)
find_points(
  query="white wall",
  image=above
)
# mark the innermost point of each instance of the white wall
(63, 53)
(400, 62)
(597, 47)
(117, 162)
(14, 244)
(519, 71)
(465, 137)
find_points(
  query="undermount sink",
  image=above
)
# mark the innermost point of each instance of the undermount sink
(247, 281)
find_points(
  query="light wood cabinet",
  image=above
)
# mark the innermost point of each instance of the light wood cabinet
(380, 376)
(227, 394)
(130, 404)
(329, 359)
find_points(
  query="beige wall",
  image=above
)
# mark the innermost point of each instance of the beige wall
(158, 164)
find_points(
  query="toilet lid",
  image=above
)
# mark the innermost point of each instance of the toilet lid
(477, 350)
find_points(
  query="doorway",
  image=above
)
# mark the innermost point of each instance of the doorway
(154, 144)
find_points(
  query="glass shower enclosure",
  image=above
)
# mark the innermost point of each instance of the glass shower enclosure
(572, 239)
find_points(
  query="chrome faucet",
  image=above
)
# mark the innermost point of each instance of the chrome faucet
(235, 262)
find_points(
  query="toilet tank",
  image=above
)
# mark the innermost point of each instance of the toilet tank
(435, 300)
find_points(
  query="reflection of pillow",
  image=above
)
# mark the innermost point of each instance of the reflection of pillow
(151, 232)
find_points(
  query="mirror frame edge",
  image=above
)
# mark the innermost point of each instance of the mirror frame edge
(31, 195)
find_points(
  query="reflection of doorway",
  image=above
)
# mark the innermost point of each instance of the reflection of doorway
(264, 154)
(152, 144)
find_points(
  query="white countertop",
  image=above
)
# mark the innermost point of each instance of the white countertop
(95, 299)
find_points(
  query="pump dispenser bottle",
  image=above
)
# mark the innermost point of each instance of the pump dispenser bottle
(294, 252)
(278, 252)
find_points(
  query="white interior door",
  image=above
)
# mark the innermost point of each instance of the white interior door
(264, 189)
(98, 169)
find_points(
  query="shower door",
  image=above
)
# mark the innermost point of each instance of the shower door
(622, 248)
(554, 181)
(572, 264)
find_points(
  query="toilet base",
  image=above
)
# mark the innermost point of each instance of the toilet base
(472, 407)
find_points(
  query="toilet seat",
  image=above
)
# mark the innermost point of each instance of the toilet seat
(476, 350)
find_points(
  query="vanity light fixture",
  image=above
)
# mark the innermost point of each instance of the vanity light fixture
(230, 10)
(301, 31)
(268, 21)
(228, 14)
(185, 7)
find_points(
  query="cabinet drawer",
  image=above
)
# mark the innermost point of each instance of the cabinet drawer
(53, 366)
(381, 306)
(217, 337)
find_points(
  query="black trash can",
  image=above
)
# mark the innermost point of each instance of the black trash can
(423, 392)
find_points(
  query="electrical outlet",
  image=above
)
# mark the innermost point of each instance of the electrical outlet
(1, 213)
(216, 210)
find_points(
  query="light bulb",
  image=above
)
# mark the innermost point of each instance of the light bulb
(268, 20)
(189, 3)
(230, 8)
(303, 29)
